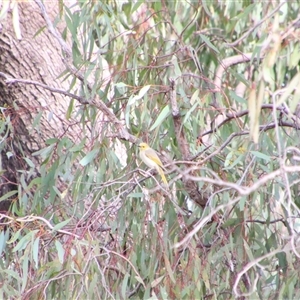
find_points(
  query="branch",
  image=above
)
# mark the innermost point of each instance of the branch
(10, 80)
(252, 264)
(190, 186)
(228, 62)
(235, 43)
(122, 132)
(246, 112)
(242, 190)
(33, 219)
(267, 222)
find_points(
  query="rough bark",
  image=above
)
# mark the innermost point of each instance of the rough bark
(36, 58)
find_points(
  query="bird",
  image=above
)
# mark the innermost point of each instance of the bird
(151, 159)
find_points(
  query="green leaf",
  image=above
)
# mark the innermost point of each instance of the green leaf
(136, 6)
(261, 155)
(295, 83)
(208, 43)
(79, 147)
(206, 9)
(143, 91)
(25, 265)
(188, 114)
(16, 19)
(61, 225)
(121, 87)
(162, 117)
(52, 141)
(15, 237)
(229, 164)
(124, 285)
(136, 195)
(245, 12)
(8, 195)
(22, 244)
(237, 98)
(70, 109)
(168, 268)
(4, 235)
(5, 8)
(35, 251)
(37, 120)
(295, 56)
(60, 251)
(89, 157)
(177, 70)
(44, 152)
(132, 100)
(157, 281)
(12, 273)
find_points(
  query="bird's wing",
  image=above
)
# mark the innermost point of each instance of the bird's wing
(153, 156)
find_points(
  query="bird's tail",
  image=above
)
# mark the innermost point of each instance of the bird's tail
(162, 175)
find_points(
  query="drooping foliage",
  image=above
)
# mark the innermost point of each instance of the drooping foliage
(94, 223)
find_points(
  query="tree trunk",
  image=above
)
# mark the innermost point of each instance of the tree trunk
(30, 114)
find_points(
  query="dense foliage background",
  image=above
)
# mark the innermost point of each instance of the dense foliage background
(212, 85)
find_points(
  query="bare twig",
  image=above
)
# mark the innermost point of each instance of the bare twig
(252, 264)
(235, 43)
(242, 191)
(34, 219)
(10, 80)
(246, 112)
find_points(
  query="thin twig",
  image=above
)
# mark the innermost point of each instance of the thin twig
(33, 219)
(233, 44)
(10, 80)
(242, 190)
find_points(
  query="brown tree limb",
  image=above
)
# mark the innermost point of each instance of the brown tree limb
(122, 133)
(10, 80)
(242, 113)
(190, 186)
(226, 63)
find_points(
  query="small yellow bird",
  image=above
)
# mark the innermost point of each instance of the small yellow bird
(151, 159)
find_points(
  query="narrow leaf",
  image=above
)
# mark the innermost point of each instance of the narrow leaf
(261, 155)
(35, 251)
(16, 20)
(143, 91)
(60, 251)
(8, 195)
(162, 116)
(295, 83)
(61, 225)
(89, 157)
(208, 43)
